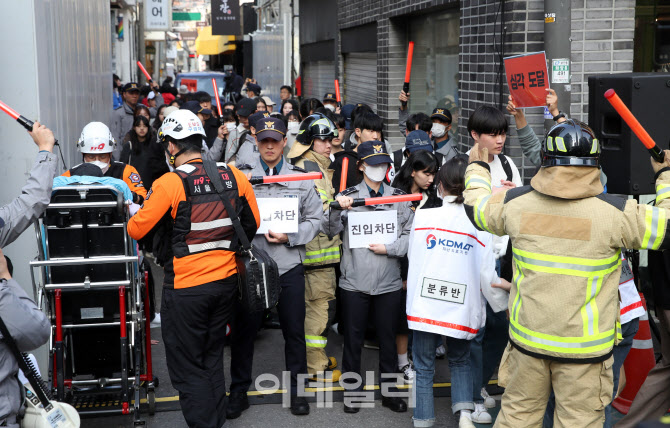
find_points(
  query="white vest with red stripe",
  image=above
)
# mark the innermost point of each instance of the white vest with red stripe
(629, 298)
(449, 262)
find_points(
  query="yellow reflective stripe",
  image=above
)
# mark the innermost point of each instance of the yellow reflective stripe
(315, 341)
(565, 345)
(662, 192)
(619, 334)
(476, 179)
(480, 207)
(594, 146)
(566, 265)
(550, 144)
(560, 144)
(590, 309)
(332, 253)
(322, 259)
(517, 299)
(654, 230)
(322, 251)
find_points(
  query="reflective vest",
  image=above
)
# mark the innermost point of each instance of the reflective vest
(202, 222)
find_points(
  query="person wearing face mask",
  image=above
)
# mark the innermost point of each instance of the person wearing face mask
(312, 153)
(226, 142)
(444, 145)
(330, 102)
(96, 145)
(292, 129)
(370, 276)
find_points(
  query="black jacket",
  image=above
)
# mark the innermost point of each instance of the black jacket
(148, 160)
(354, 176)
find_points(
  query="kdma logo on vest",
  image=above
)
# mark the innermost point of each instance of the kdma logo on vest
(447, 245)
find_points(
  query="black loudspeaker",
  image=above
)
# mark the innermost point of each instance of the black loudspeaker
(624, 159)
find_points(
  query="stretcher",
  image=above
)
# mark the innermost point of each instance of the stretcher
(93, 286)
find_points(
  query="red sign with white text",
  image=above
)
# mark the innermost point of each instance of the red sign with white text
(527, 79)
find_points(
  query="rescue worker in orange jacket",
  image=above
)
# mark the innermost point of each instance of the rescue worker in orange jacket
(566, 239)
(200, 283)
(96, 144)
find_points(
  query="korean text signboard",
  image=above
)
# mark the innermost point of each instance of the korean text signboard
(372, 227)
(157, 15)
(527, 79)
(226, 18)
(280, 215)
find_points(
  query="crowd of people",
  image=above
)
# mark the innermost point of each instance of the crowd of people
(482, 270)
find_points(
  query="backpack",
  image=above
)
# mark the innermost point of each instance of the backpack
(506, 166)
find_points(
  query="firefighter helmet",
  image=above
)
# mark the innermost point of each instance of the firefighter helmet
(316, 125)
(96, 138)
(571, 143)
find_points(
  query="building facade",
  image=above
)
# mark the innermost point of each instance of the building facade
(458, 54)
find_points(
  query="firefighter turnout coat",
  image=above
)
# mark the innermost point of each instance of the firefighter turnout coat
(567, 237)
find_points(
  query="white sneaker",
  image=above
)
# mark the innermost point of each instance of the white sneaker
(157, 321)
(408, 373)
(481, 415)
(440, 352)
(465, 422)
(489, 402)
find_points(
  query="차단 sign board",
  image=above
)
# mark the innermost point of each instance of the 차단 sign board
(527, 79)
(372, 227)
(280, 215)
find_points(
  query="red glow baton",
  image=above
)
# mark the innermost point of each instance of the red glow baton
(144, 70)
(288, 177)
(408, 70)
(216, 93)
(635, 125)
(337, 92)
(345, 171)
(359, 202)
(26, 123)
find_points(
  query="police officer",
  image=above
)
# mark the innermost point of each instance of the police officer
(323, 254)
(122, 116)
(566, 239)
(19, 214)
(96, 144)
(248, 151)
(200, 285)
(371, 276)
(288, 250)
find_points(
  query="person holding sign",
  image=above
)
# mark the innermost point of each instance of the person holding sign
(451, 270)
(311, 152)
(291, 222)
(566, 239)
(375, 238)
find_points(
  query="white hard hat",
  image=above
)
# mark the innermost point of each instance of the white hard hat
(96, 138)
(179, 125)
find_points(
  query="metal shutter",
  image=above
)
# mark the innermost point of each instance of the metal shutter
(360, 78)
(319, 78)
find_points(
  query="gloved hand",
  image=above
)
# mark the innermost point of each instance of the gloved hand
(477, 155)
(665, 164)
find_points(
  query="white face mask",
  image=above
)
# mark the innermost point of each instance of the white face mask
(438, 130)
(293, 127)
(102, 165)
(376, 173)
(330, 107)
(231, 126)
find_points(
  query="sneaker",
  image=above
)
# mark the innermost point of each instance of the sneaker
(489, 402)
(481, 415)
(156, 321)
(408, 373)
(371, 344)
(440, 352)
(465, 422)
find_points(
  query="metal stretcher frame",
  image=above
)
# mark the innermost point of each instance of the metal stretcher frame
(134, 308)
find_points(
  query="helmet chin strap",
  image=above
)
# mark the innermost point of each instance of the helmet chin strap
(173, 157)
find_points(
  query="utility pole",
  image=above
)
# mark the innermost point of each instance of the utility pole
(557, 45)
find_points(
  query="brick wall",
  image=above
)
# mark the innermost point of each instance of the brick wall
(602, 42)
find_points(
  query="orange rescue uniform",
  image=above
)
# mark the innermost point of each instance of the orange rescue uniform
(195, 269)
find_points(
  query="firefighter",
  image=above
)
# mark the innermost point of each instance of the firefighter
(312, 153)
(200, 285)
(566, 238)
(288, 250)
(96, 144)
